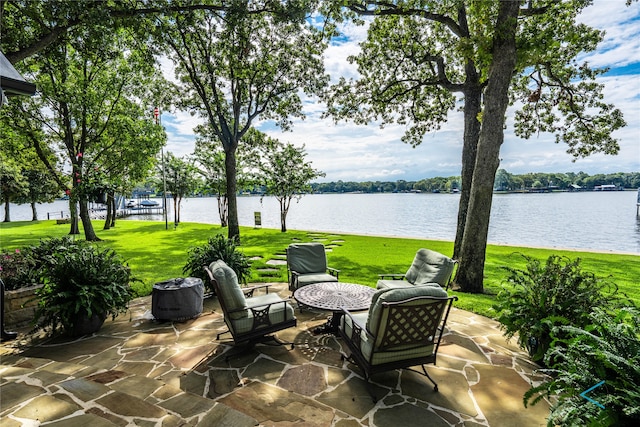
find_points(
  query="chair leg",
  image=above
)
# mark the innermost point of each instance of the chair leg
(244, 346)
(222, 333)
(426, 374)
(265, 339)
(368, 384)
(370, 390)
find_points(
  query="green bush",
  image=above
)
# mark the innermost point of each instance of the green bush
(79, 279)
(217, 248)
(543, 296)
(608, 350)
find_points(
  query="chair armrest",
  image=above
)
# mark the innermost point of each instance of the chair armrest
(394, 276)
(248, 292)
(333, 271)
(261, 312)
(357, 327)
(253, 307)
(262, 304)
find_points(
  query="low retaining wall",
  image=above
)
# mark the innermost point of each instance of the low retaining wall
(20, 306)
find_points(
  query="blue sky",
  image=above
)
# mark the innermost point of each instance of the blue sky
(351, 152)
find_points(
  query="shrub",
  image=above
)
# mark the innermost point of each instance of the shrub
(607, 350)
(216, 248)
(79, 279)
(543, 296)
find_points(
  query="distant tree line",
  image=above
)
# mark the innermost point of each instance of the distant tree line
(504, 181)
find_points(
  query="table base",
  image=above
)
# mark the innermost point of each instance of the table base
(330, 326)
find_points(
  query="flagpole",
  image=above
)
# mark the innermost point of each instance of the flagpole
(156, 113)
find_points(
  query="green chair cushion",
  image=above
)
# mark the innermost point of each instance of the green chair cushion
(308, 279)
(278, 313)
(392, 284)
(307, 258)
(430, 267)
(230, 290)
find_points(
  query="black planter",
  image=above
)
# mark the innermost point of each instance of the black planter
(85, 325)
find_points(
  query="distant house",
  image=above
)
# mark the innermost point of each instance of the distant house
(605, 187)
(574, 187)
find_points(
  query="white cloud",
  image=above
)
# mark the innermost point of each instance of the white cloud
(349, 152)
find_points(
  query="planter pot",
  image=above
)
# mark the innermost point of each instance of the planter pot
(85, 325)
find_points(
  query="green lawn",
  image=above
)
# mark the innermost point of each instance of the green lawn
(156, 254)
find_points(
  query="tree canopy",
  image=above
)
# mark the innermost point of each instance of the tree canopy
(286, 175)
(238, 66)
(89, 110)
(419, 53)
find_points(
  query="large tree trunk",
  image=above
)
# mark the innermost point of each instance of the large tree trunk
(178, 209)
(223, 210)
(284, 210)
(230, 170)
(34, 212)
(89, 233)
(111, 212)
(472, 108)
(175, 210)
(7, 216)
(114, 209)
(496, 100)
(73, 212)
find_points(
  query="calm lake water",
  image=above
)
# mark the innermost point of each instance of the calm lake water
(602, 221)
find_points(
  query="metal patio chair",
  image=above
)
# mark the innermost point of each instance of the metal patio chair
(307, 264)
(250, 320)
(402, 329)
(427, 267)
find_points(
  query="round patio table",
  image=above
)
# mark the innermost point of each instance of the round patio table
(334, 296)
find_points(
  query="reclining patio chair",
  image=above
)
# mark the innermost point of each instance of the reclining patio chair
(428, 267)
(250, 320)
(403, 328)
(307, 264)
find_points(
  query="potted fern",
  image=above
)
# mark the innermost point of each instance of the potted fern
(82, 286)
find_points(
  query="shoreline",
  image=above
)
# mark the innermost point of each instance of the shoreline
(389, 236)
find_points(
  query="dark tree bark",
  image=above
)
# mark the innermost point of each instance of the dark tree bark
(110, 212)
(472, 91)
(89, 232)
(7, 216)
(472, 107)
(232, 187)
(496, 100)
(34, 212)
(73, 211)
(114, 209)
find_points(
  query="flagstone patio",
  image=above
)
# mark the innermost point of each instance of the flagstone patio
(137, 371)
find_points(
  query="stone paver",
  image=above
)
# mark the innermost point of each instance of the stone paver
(137, 371)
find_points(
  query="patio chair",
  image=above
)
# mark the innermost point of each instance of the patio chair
(307, 264)
(428, 267)
(250, 320)
(402, 329)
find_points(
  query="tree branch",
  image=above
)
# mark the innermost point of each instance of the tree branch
(381, 8)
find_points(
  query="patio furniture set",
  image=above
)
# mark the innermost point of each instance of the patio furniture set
(398, 325)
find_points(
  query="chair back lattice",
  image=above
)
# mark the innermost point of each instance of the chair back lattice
(409, 323)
